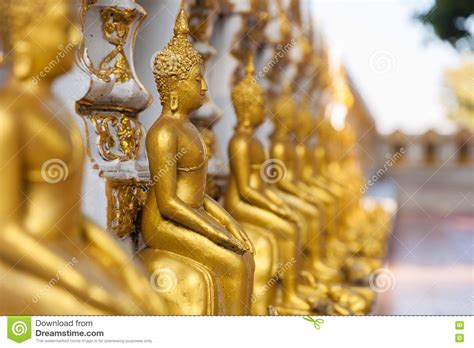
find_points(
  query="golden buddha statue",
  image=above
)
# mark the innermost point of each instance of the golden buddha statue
(265, 216)
(322, 275)
(323, 157)
(178, 215)
(44, 238)
(298, 194)
(306, 173)
(344, 249)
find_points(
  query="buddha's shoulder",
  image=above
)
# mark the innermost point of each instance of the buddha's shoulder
(8, 113)
(162, 130)
(243, 141)
(237, 139)
(13, 103)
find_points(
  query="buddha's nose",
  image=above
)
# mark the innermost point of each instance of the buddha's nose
(204, 87)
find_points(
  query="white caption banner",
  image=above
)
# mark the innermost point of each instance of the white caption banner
(230, 332)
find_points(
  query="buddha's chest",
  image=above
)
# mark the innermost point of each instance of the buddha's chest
(290, 153)
(191, 150)
(303, 152)
(257, 153)
(50, 141)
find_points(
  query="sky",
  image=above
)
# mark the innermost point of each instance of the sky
(395, 62)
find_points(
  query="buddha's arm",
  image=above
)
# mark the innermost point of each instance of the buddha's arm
(23, 252)
(285, 209)
(240, 165)
(110, 254)
(278, 201)
(308, 196)
(312, 178)
(10, 169)
(220, 214)
(161, 147)
(17, 247)
(278, 152)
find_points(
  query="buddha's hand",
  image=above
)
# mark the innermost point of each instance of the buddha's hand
(286, 213)
(310, 198)
(282, 212)
(240, 234)
(293, 217)
(221, 237)
(232, 244)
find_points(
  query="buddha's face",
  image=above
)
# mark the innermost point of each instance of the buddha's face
(256, 111)
(48, 50)
(192, 91)
(251, 112)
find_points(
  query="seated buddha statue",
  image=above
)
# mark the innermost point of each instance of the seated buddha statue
(326, 167)
(335, 298)
(178, 216)
(359, 223)
(323, 155)
(299, 195)
(52, 259)
(304, 171)
(264, 215)
(341, 170)
(305, 152)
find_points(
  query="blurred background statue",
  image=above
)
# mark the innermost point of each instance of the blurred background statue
(44, 237)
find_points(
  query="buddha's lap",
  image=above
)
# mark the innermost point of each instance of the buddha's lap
(185, 242)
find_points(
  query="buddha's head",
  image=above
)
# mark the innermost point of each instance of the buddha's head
(178, 73)
(284, 109)
(247, 98)
(38, 37)
(306, 52)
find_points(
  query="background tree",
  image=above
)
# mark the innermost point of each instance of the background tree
(452, 21)
(460, 94)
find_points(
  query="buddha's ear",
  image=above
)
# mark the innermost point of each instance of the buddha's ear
(174, 101)
(22, 63)
(246, 121)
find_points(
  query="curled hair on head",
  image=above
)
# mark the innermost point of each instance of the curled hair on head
(176, 60)
(19, 18)
(247, 91)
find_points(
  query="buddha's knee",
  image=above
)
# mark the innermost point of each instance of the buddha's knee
(294, 232)
(187, 286)
(264, 256)
(239, 266)
(286, 230)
